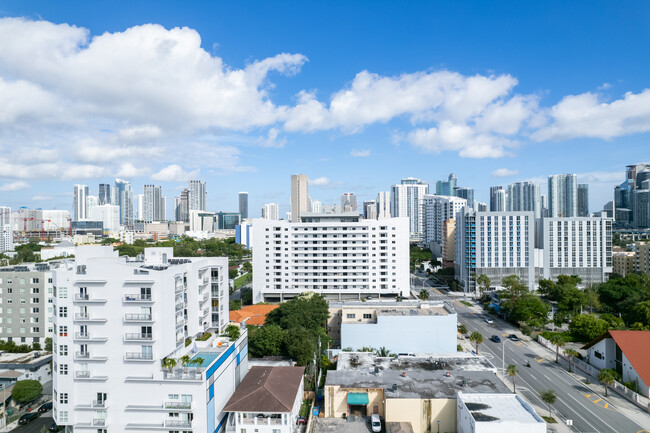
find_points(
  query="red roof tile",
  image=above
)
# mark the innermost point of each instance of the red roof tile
(636, 347)
(253, 314)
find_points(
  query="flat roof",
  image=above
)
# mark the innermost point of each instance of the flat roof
(356, 424)
(24, 358)
(416, 376)
(499, 407)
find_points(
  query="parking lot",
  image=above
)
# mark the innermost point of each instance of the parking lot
(35, 426)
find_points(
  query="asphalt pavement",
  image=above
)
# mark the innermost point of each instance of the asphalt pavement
(35, 426)
(588, 411)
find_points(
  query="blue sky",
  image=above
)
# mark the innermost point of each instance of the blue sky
(354, 94)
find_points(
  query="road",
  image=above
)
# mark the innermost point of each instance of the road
(35, 426)
(588, 411)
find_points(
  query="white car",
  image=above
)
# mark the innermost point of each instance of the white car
(489, 321)
(375, 422)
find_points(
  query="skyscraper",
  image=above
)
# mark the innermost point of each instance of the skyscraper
(583, 200)
(271, 211)
(79, 202)
(370, 210)
(198, 195)
(563, 195)
(181, 206)
(383, 205)
(91, 202)
(447, 187)
(494, 199)
(104, 193)
(152, 206)
(524, 196)
(316, 206)
(243, 205)
(349, 202)
(124, 199)
(406, 201)
(466, 193)
(299, 196)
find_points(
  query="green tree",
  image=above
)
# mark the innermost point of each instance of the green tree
(300, 345)
(572, 299)
(613, 322)
(640, 313)
(266, 341)
(483, 282)
(570, 353)
(48, 344)
(198, 361)
(169, 363)
(477, 338)
(587, 327)
(185, 361)
(558, 341)
(514, 286)
(549, 397)
(526, 308)
(247, 267)
(512, 371)
(234, 304)
(233, 331)
(424, 294)
(462, 328)
(382, 352)
(25, 391)
(309, 311)
(607, 376)
(232, 273)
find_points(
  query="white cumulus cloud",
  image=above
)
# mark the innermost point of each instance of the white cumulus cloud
(320, 181)
(174, 173)
(504, 172)
(14, 186)
(360, 153)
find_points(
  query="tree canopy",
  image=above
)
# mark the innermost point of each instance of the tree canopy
(25, 391)
(587, 327)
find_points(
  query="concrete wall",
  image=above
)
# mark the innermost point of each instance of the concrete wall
(630, 375)
(423, 414)
(607, 348)
(336, 403)
(403, 334)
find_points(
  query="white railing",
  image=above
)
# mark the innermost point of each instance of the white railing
(138, 355)
(177, 405)
(177, 423)
(138, 336)
(137, 297)
(137, 317)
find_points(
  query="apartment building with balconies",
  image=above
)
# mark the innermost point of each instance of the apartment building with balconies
(337, 254)
(121, 361)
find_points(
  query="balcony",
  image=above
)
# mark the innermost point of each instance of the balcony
(177, 405)
(137, 297)
(84, 336)
(85, 375)
(99, 403)
(128, 317)
(99, 422)
(85, 317)
(82, 374)
(178, 423)
(87, 356)
(84, 297)
(82, 355)
(138, 336)
(138, 356)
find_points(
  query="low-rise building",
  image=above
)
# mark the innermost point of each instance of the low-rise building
(252, 314)
(400, 327)
(496, 413)
(627, 353)
(268, 400)
(62, 249)
(623, 262)
(33, 365)
(642, 257)
(420, 390)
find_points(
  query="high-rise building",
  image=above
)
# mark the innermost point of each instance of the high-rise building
(243, 205)
(56, 219)
(181, 206)
(640, 202)
(406, 201)
(79, 202)
(139, 207)
(299, 196)
(563, 195)
(634, 176)
(109, 215)
(124, 199)
(496, 205)
(316, 206)
(466, 193)
(383, 205)
(118, 320)
(437, 210)
(198, 196)
(446, 187)
(105, 194)
(271, 211)
(349, 202)
(152, 206)
(370, 210)
(6, 230)
(377, 265)
(583, 200)
(91, 202)
(449, 243)
(524, 196)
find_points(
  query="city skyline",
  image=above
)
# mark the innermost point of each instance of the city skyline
(497, 105)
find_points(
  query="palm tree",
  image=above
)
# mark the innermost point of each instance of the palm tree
(185, 361)
(462, 329)
(477, 338)
(198, 361)
(570, 353)
(607, 377)
(382, 352)
(424, 294)
(512, 372)
(549, 396)
(169, 363)
(558, 341)
(484, 282)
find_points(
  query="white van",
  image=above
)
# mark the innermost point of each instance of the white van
(375, 422)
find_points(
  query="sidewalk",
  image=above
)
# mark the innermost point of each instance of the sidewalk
(626, 407)
(10, 427)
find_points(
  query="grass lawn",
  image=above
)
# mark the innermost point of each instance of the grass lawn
(549, 419)
(304, 409)
(469, 304)
(243, 280)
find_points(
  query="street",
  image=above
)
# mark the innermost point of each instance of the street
(35, 426)
(575, 401)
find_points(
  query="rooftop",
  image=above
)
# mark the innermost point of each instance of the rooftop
(252, 314)
(267, 389)
(636, 347)
(499, 407)
(24, 358)
(416, 376)
(355, 424)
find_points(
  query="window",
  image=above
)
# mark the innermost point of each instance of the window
(63, 416)
(367, 316)
(35, 300)
(63, 331)
(63, 349)
(63, 311)
(350, 316)
(63, 369)
(63, 398)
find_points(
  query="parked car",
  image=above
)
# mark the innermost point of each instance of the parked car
(375, 422)
(489, 321)
(28, 417)
(55, 428)
(45, 407)
(302, 420)
(495, 338)
(513, 337)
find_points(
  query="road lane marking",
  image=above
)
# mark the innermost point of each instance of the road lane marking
(596, 400)
(539, 359)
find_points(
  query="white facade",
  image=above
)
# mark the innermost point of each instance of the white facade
(383, 205)
(524, 196)
(91, 202)
(109, 215)
(563, 195)
(437, 210)
(271, 211)
(6, 238)
(79, 202)
(299, 196)
(62, 249)
(316, 206)
(153, 208)
(118, 318)
(56, 219)
(198, 195)
(406, 201)
(345, 257)
(578, 246)
(496, 413)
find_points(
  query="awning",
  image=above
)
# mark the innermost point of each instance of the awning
(356, 398)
